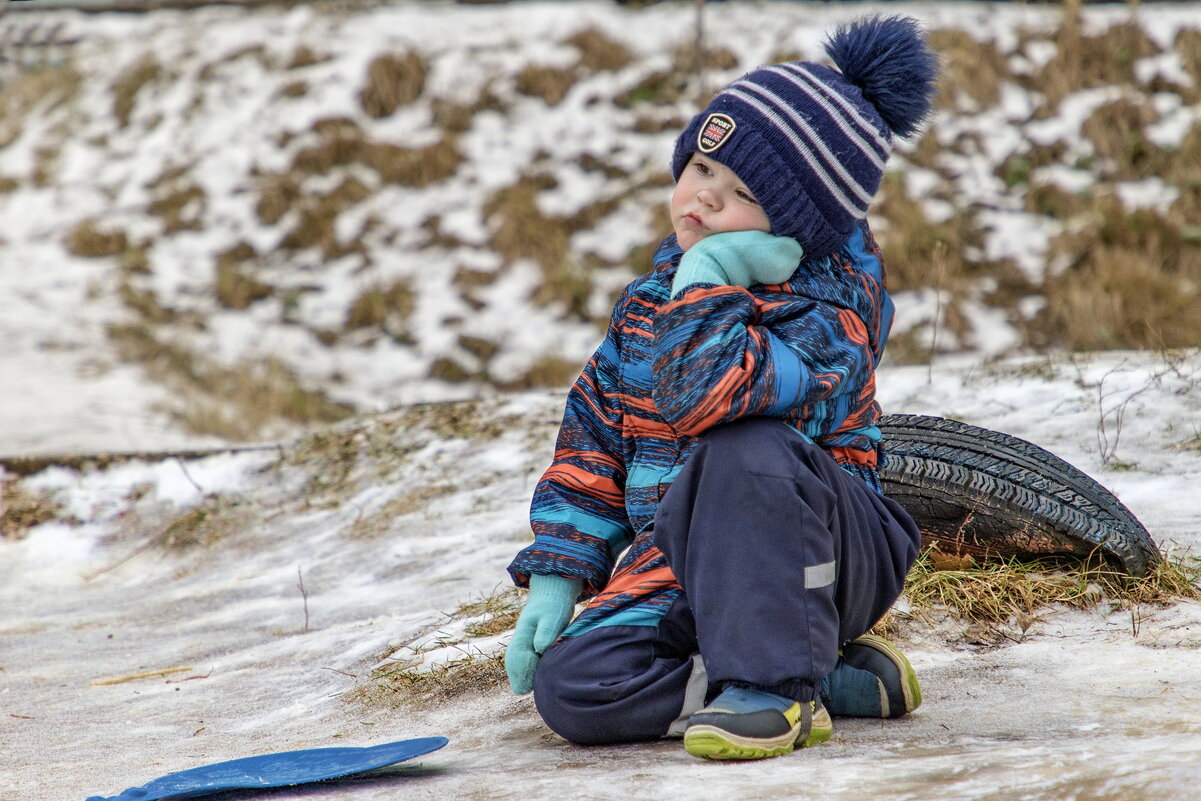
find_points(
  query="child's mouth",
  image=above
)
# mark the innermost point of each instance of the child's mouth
(692, 221)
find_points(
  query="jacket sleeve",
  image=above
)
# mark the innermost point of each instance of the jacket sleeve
(578, 513)
(718, 360)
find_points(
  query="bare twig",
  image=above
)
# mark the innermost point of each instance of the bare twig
(305, 597)
(188, 475)
(145, 674)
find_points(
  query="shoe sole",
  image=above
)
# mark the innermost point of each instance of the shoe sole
(713, 742)
(911, 691)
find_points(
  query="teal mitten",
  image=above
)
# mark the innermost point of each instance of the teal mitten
(547, 611)
(738, 258)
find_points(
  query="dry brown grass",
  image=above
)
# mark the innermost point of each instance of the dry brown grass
(546, 371)
(549, 83)
(1184, 172)
(89, 240)
(399, 685)
(598, 51)
(305, 56)
(1018, 166)
(447, 369)
(520, 230)
(392, 82)
(386, 307)
(317, 216)
(455, 118)
(178, 201)
(1117, 131)
(409, 682)
(49, 87)
(1188, 45)
(235, 289)
(971, 69)
(22, 509)
(237, 402)
(997, 591)
(1085, 62)
(294, 89)
(913, 245)
(129, 84)
(204, 525)
(1134, 281)
(342, 144)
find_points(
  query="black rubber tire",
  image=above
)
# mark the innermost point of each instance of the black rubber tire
(976, 491)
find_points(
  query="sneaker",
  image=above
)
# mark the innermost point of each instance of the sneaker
(744, 723)
(873, 679)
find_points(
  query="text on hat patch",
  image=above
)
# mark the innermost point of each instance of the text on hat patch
(714, 133)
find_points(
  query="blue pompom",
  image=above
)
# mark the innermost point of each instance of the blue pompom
(888, 59)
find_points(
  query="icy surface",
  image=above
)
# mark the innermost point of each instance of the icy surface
(1085, 704)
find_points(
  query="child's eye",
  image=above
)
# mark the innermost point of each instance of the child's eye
(747, 196)
(702, 168)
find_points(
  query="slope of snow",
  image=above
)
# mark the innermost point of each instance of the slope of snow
(395, 521)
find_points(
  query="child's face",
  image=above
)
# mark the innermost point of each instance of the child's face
(709, 199)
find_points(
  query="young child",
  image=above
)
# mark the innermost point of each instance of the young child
(723, 437)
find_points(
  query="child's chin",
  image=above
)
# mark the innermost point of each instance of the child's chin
(686, 239)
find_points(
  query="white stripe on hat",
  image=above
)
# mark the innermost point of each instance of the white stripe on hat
(849, 130)
(815, 140)
(884, 141)
(859, 211)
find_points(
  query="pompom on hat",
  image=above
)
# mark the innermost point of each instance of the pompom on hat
(811, 142)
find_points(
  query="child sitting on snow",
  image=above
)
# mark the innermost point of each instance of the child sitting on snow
(723, 436)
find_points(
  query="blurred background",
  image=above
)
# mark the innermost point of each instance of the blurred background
(232, 222)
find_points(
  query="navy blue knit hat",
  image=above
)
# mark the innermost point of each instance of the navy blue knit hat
(811, 142)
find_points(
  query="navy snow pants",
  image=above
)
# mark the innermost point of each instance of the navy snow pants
(782, 557)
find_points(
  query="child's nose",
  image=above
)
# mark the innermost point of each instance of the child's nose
(709, 198)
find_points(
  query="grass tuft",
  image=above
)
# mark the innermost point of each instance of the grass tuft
(412, 682)
(87, 239)
(387, 308)
(47, 87)
(1133, 281)
(549, 83)
(129, 84)
(1117, 131)
(1086, 62)
(234, 288)
(598, 51)
(202, 526)
(393, 82)
(972, 71)
(21, 509)
(995, 591)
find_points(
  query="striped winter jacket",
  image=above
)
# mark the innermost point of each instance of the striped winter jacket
(668, 371)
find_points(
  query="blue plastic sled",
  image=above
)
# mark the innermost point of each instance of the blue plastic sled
(277, 770)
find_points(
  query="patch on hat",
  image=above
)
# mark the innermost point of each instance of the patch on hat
(714, 133)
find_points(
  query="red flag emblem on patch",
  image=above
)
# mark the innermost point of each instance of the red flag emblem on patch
(714, 133)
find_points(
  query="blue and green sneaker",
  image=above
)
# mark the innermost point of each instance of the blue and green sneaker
(872, 679)
(744, 723)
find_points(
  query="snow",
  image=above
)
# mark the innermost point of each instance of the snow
(1037, 718)
(1095, 703)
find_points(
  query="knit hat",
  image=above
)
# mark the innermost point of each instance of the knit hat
(811, 142)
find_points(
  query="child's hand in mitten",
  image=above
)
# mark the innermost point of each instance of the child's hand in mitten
(547, 610)
(738, 258)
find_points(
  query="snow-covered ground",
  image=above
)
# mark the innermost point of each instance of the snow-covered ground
(276, 580)
(393, 522)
